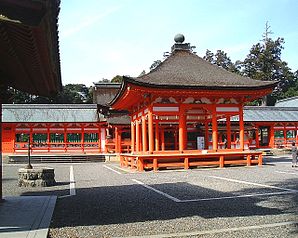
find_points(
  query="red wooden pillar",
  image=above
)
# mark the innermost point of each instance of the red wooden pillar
(65, 139)
(271, 133)
(214, 130)
(241, 126)
(206, 135)
(229, 133)
(297, 134)
(99, 139)
(137, 136)
(120, 140)
(285, 135)
(182, 129)
(0, 151)
(144, 134)
(49, 137)
(31, 138)
(132, 135)
(83, 137)
(156, 136)
(150, 130)
(116, 139)
(257, 137)
(162, 139)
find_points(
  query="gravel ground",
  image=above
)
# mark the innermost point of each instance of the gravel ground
(110, 204)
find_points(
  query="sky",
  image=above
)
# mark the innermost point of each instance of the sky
(104, 38)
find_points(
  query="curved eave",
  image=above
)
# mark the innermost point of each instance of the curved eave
(132, 92)
(30, 59)
(119, 95)
(201, 87)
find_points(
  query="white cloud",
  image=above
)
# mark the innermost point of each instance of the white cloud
(87, 22)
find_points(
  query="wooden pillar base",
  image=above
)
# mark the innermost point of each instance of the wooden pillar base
(248, 160)
(140, 163)
(260, 160)
(155, 166)
(221, 161)
(186, 163)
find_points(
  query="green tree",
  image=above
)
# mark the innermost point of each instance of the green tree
(292, 89)
(155, 64)
(221, 59)
(71, 93)
(264, 63)
(117, 79)
(209, 56)
(103, 80)
(142, 73)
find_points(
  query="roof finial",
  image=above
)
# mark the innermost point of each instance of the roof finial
(179, 38)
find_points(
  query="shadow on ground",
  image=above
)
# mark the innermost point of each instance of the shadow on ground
(135, 203)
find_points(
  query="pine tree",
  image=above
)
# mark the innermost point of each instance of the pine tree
(221, 59)
(264, 63)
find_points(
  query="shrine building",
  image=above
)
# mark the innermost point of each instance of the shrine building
(186, 112)
(181, 94)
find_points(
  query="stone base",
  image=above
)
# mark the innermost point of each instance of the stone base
(36, 177)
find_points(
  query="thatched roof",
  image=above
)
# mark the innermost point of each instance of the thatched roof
(184, 69)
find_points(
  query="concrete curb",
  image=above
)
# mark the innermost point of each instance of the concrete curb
(22, 218)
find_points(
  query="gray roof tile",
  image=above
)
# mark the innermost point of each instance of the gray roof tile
(288, 102)
(270, 114)
(50, 113)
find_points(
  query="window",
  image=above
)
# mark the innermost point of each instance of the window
(74, 137)
(56, 138)
(291, 133)
(22, 137)
(279, 134)
(90, 137)
(39, 138)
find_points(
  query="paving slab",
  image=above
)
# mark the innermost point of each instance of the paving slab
(26, 216)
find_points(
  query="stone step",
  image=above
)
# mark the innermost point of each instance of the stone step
(56, 158)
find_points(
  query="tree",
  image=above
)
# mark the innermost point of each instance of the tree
(292, 89)
(142, 73)
(17, 96)
(221, 59)
(103, 80)
(264, 63)
(209, 56)
(155, 64)
(117, 79)
(71, 93)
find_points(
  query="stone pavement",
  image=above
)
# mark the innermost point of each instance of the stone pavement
(26, 216)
